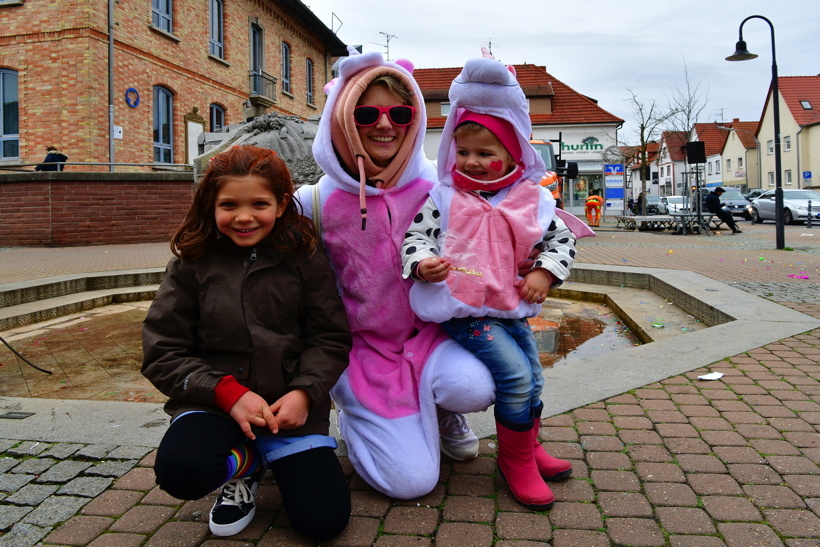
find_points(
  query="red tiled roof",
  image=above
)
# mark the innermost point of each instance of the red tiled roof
(675, 142)
(745, 132)
(712, 137)
(568, 106)
(801, 88)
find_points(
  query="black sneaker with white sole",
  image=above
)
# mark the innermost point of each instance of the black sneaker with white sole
(234, 508)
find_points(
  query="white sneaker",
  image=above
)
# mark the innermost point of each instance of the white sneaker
(235, 508)
(457, 439)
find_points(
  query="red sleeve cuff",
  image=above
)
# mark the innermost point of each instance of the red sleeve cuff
(227, 391)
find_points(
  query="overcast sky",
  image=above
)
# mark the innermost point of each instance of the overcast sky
(601, 48)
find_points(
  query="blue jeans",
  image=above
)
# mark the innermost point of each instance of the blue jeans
(508, 348)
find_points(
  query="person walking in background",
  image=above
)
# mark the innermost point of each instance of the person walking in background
(54, 160)
(714, 206)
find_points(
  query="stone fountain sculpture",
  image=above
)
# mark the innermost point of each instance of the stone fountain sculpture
(290, 137)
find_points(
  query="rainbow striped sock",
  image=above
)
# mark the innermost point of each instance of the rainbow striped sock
(243, 461)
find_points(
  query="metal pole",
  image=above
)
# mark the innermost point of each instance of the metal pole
(111, 84)
(808, 221)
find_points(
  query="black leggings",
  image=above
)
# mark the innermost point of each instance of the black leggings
(192, 462)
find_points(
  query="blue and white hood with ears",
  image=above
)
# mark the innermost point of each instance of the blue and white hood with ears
(486, 86)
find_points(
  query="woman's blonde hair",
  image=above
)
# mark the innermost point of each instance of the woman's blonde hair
(395, 87)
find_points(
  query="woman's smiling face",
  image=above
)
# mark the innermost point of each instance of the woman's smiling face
(382, 140)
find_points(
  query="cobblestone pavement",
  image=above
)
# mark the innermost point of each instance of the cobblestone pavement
(679, 463)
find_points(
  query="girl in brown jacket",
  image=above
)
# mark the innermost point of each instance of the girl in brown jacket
(246, 337)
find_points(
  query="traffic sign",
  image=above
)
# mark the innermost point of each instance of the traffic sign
(807, 175)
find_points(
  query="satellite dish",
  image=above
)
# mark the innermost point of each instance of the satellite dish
(613, 154)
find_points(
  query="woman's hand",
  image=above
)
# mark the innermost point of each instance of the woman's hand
(434, 269)
(251, 409)
(291, 410)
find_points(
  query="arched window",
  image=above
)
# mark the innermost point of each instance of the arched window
(217, 118)
(285, 67)
(10, 126)
(163, 125)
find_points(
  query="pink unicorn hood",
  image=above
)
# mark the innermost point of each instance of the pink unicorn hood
(337, 144)
(486, 86)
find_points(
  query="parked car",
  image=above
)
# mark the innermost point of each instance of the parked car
(677, 204)
(795, 206)
(754, 194)
(732, 200)
(654, 206)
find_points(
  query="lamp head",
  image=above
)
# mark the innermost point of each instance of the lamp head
(741, 53)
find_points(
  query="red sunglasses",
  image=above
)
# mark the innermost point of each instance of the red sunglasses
(365, 116)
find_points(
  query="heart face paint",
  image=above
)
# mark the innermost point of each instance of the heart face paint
(480, 155)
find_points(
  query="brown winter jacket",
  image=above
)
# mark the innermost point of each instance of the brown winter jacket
(274, 321)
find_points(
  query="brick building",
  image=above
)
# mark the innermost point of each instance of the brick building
(180, 67)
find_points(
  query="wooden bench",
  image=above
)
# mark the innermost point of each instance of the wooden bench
(686, 223)
(644, 223)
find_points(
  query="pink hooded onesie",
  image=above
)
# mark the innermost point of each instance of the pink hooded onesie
(401, 367)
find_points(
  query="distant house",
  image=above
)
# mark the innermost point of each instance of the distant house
(671, 163)
(713, 141)
(800, 133)
(741, 155)
(556, 109)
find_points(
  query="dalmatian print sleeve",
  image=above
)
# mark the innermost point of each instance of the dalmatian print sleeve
(421, 239)
(557, 250)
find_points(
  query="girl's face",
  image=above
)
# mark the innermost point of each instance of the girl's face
(246, 209)
(382, 140)
(480, 155)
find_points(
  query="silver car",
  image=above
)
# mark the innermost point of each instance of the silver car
(795, 206)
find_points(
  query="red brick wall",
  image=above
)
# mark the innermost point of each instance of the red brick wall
(91, 209)
(60, 50)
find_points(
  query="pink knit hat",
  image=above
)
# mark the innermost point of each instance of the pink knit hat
(502, 129)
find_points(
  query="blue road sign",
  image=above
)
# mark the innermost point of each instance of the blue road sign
(806, 175)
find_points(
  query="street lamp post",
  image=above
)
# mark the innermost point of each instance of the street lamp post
(742, 54)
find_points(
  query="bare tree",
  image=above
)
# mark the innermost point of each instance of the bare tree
(688, 104)
(650, 119)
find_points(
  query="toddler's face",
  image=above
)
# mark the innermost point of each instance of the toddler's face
(246, 210)
(480, 155)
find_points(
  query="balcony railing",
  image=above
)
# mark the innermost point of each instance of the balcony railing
(262, 89)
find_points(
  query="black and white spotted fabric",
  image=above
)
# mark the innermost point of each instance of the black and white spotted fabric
(422, 241)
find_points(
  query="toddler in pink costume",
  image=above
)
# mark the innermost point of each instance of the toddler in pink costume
(465, 248)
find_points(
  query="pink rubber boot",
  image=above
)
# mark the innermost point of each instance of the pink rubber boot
(517, 463)
(550, 467)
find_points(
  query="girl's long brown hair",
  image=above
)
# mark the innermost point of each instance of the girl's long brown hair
(292, 232)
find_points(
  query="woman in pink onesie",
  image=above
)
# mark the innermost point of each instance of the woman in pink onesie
(406, 376)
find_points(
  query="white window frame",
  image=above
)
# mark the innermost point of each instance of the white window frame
(445, 109)
(309, 81)
(9, 139)
(787, 143)
(162, 96)
(728, 165)
(771, 178)
(770, 147)
(740, 163)
(216, 114)
(717, 167)
(788, 176)
(216, 20)
(285, 67)
(162, 15)
(709, 167)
